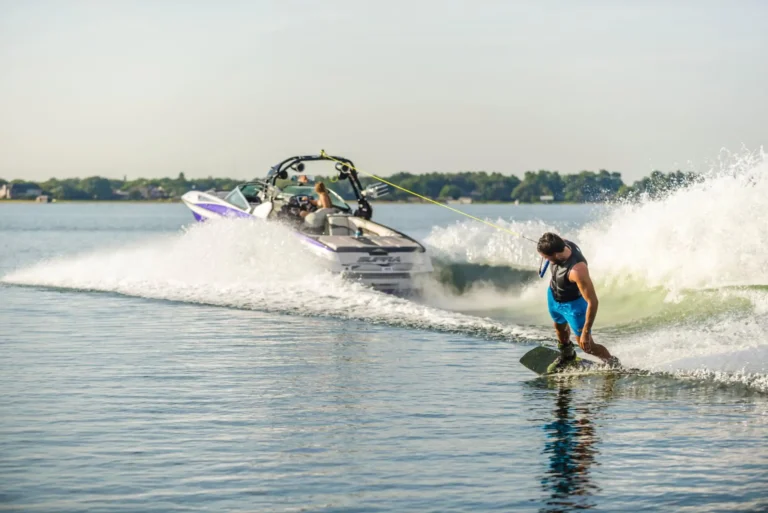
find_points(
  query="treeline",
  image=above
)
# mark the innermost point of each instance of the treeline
(480, 186)
(99, 188)
(535, 186)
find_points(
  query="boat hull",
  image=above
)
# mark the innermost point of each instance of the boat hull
(396, 271)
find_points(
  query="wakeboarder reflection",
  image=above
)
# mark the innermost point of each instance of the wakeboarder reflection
(571, 444)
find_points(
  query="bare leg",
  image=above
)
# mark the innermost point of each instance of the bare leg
(590, 347)
(563, 334)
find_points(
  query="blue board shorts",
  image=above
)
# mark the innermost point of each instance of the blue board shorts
(572, 312)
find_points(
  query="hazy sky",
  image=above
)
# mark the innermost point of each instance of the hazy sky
(151, 88)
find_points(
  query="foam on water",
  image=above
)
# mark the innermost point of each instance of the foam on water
(679, 277)
(665, 271)
(250, 265)
(473, 242)
(710, 234)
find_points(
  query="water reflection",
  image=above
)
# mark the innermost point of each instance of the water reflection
(571, 444)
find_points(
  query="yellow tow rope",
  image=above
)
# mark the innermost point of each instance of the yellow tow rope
(493, 225)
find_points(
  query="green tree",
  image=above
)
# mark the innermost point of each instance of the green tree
(659, 184)
(526, 191)
(494, 186)
(537, 184)
(66, 191)
(97, 188)
(450, 191)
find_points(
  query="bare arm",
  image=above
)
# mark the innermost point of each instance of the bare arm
(580, 276)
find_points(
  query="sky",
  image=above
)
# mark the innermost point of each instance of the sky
(153, 88)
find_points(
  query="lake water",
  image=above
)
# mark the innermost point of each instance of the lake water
(148, 365)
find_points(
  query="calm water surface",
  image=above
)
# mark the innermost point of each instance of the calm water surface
(113, 402)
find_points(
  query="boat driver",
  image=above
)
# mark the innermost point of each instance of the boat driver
(323, 201)
(323, 205)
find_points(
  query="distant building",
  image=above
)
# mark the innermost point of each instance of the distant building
(464, 200)
(152, 192)
(20, 191)
(547, 199)
(44, 198)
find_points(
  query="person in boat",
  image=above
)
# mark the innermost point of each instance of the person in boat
(323, 207)
(572, 300)
(323, 199)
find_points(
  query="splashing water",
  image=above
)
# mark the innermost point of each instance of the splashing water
(472, 242)
(683, 280)
(707, 235)
(251, 265)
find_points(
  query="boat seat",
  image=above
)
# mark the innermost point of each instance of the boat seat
(340, 225)
(316, 219)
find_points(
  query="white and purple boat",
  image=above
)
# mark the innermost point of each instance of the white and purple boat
(346, 240)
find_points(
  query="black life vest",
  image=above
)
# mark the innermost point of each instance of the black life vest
(563, 289)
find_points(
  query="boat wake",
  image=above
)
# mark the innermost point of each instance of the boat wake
(683, 280)
(250, 265)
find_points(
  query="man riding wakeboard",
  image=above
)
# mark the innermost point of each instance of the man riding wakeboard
(572, 300)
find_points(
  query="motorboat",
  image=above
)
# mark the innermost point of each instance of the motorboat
(346, 240)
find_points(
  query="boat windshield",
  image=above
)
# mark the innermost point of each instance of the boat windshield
(237, 199)
(307, 190)
(251, 192)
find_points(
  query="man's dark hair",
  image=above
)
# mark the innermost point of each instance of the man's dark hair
(550, 243)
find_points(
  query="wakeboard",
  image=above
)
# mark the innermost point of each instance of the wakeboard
(539, 358)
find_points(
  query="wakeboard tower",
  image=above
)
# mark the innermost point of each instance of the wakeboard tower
(345, 240)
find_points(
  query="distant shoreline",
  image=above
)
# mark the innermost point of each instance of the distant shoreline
(541, 187)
